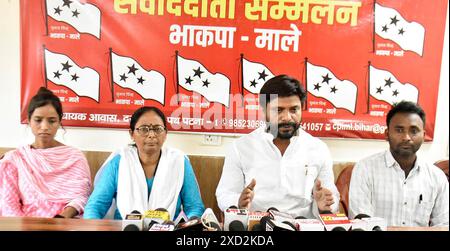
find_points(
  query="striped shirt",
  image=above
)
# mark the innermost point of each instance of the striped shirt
(378, 188)
(42, 182)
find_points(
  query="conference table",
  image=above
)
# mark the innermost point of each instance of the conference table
(60, 224)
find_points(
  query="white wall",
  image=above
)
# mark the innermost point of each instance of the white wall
(12, 133)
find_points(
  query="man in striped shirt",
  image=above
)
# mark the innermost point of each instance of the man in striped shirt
(397, 184)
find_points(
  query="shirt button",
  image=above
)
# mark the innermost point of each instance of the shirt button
(404, 183)
(405, 203)
(403, 223)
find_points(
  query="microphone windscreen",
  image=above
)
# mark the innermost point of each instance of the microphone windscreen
(236, 226)
(131, 228)
(361, 216)
(377, 228)
(338, 229)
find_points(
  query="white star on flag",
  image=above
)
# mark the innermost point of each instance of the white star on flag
(193, 76)
(385, 86)
(254, 75)
(61, 70)
(389, 24)
(322, 83)
(128, 73)
(85, 18)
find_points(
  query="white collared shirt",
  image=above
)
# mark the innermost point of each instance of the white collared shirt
(379, 188)
(282, 181)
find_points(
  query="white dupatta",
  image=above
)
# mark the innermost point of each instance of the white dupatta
(132, 191)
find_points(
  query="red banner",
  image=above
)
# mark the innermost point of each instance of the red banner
(203, 62)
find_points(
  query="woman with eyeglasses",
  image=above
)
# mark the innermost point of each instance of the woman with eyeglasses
(146, 175)
(45, 178)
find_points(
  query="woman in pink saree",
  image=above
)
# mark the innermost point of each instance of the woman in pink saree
(45, 178)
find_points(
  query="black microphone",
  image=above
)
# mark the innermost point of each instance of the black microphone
(338, 228)
(131, 228)
(269, 224)
(361, 216)
(236, 226)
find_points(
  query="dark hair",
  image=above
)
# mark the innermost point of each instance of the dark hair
(139, 112)
(42, 98)
(405, 107)
(281, 86)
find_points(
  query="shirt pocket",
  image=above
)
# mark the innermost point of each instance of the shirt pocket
(422, 213)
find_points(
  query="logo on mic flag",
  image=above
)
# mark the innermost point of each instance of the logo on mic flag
(385, 86)
(62, 70)
(321, 82)
(193, 76)
(85, 18)
(254, 75)
(389, 24)
(128, 73)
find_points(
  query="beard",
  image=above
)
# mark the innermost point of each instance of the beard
(405, 150)
(283, 130)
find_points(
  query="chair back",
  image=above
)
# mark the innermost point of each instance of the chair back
(343, 185)
(443, 165)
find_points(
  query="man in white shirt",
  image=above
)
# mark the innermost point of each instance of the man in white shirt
(398, 185)
(279, 165)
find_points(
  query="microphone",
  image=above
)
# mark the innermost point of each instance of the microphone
(236, 226)
(133, 221)
(209, 221)
(132, 228)
(332, 221)
(368, 223)
(269, 224)
(338, 228)
(193, 224)
(155, 216)
(233, 214)
(255, 218)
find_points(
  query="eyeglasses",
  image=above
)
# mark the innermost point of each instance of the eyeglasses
(145, 129)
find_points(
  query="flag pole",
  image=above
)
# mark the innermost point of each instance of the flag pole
(368, 89)
(177, 85)
(112, 74)
(46, 18)
(242, 77)
(373, 26)
(306, 84)
(45, 66)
